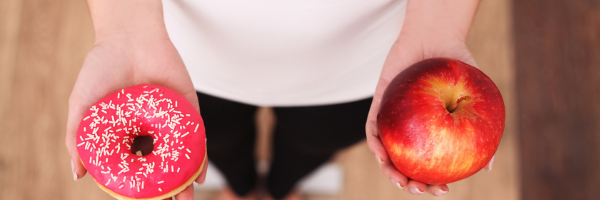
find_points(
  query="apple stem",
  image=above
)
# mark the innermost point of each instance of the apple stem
(453, 107)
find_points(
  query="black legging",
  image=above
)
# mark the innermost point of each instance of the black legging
(304, 138)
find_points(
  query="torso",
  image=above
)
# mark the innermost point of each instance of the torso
(285, 53)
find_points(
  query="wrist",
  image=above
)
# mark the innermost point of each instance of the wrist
(132, 19)
(442, 20)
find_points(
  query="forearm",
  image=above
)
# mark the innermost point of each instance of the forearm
(134, 18)
(439, 19)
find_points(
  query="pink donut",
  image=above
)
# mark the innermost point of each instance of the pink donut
(135, 118)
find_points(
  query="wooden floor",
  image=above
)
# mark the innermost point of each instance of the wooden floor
(43, 44)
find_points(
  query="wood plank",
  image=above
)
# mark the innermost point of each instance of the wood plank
(558, 77)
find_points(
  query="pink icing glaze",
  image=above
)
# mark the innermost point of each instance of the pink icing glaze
(107, 131)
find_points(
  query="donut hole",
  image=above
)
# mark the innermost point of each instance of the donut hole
(142, 145)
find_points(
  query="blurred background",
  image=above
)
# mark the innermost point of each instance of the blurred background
(544, 55)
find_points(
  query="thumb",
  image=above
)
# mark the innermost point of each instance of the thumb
(76, 112)
(202, 177)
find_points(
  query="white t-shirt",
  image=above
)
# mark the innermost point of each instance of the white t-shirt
(285, 52)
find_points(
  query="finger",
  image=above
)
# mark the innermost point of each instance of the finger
(489, 166)
(438, 190)
(415, 187)
(76, 112)
(186, 194)
(372, 134)
(375, 145)
(202, 177)
(397, 178)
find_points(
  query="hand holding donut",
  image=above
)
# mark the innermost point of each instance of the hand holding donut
(120, 59)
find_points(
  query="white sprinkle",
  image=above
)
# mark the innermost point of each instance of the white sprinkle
(159, 189)
(188, 150)
(81, 144)
(107, 182)
(185, 134)
(118, 95)
(196, 128)
(187, 156)
(178, 169)
(160, 182)
(120, 186)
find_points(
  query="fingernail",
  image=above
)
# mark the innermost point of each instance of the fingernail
(378, 159)
(396, 183)
(416, 191)
(73, 170)
(440, 192)
(491, 164)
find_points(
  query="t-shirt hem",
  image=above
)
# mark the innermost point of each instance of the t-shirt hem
(318, 102)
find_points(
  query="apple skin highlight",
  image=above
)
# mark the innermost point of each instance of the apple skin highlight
(441, 120)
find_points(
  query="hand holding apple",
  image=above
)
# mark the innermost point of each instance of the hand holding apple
(441, 120)
(431, 29)
(403, 54)
(400, 58)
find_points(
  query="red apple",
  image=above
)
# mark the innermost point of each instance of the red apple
(441, 120)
